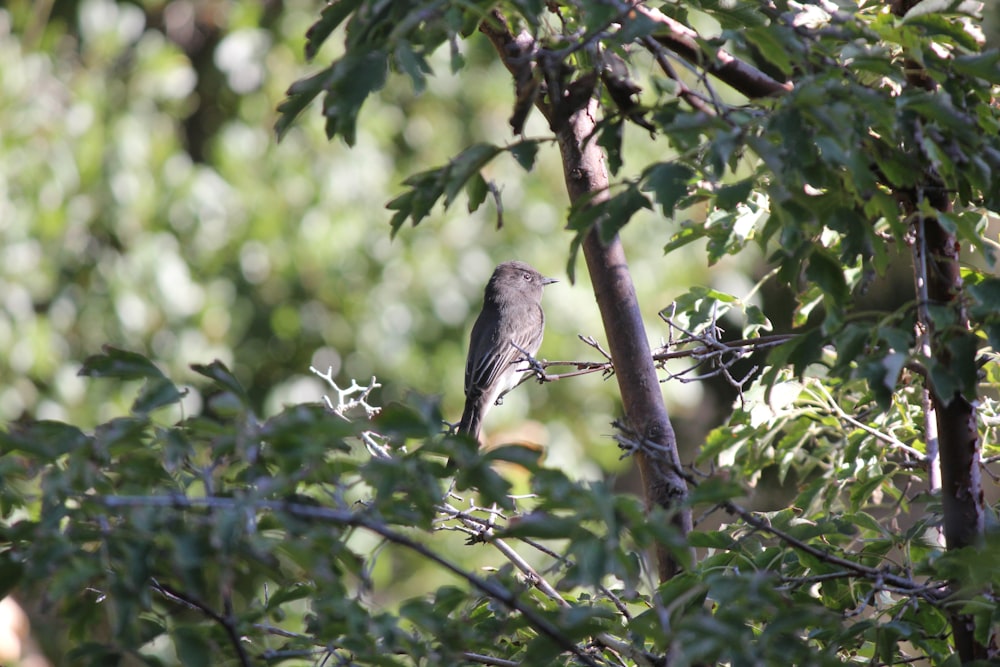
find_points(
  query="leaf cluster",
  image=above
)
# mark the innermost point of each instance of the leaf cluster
(236, 540)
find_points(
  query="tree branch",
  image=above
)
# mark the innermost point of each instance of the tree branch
(225, 621)
(342, 517)
(587, 180)
(937, 274)
(683, 41)
(932, 592)
(485, 533)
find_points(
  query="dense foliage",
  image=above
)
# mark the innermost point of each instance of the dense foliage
(841, 141)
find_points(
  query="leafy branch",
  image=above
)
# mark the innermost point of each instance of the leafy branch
(341, 517)
(632, 442)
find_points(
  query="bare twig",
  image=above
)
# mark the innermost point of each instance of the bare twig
(924, 330)
(349, 399)
(489, 660)
(710, 352)
(705, 350)
(692, 97)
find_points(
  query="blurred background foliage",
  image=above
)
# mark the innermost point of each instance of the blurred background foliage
(145, 203)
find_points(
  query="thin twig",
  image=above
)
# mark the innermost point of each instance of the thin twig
(225, 621)
(829, 402)
(484, 532)
(350, 398)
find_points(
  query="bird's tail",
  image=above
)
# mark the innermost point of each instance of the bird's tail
(472, 420)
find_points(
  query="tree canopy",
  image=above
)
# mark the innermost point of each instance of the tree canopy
(798, 199)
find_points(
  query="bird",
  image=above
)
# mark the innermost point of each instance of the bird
(510, 325)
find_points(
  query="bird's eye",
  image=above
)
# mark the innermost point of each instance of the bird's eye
(526, 276)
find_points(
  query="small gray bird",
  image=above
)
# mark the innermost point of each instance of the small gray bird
(512, 315)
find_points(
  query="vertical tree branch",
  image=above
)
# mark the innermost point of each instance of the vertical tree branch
(587, 177)
(958, 436)
(938, 276)
(587, 180)
(924, 346)
(962, 498)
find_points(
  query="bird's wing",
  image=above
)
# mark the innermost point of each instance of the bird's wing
(497, 356)
(482, 371)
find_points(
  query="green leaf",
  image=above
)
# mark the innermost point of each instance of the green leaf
(524, 152)
(491, 486)
(937, 25)
(93, 654)
(636, 25)
(689, 233)
(404, 421)
(425, 189)
(118, 363)
(476, 190)
(610, 139)
(10, 573)
(302, 434)
(985, 297)
(729, 196)
(715, 539)
(297, 591)
(985, 66)
(544, 526)
(733, 15)
(519, 454)
(669, 182)
(299, 95)
(353, 78)
(331, 17)
(715, 490)
(217, 372)
(770, 47)
(47, 439)
(156, 393)
(131, 432)
(861, 491)
(464, 165)
(413, 64)
(896, 167)
(193, 649)
(619, 211)
(925, 7)
(828, 273)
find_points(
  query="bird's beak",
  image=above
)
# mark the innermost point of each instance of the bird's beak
(548, 281)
